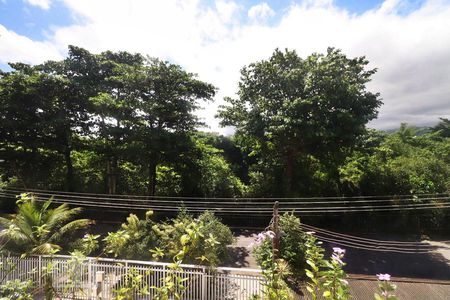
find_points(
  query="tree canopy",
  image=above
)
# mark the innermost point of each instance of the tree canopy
(124, 123)
(291, 108)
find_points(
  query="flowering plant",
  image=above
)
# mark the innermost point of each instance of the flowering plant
(335, 284)
(327, 279)
(273, 270)
(386, 288)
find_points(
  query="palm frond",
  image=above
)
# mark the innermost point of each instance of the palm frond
(5, 221)
(60, 215)
(70, 228)
(46, 248)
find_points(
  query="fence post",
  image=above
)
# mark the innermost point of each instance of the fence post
(40, 272)
(89, 278)
(204, 283)
(276, 230)
(99, 284)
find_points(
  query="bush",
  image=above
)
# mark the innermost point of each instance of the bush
(210, 228)
(137, 237)
(134, 240)
(16, 290)
(292, 243)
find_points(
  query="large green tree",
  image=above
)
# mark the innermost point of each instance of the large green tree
(167, 98)
(292, 108)
(24, 94)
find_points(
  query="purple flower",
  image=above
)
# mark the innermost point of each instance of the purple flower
(338, 250)
(260, 238)
(385, 277)
(337, 258)
(270, 234)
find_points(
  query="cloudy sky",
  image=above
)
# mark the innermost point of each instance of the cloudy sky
(407, 40)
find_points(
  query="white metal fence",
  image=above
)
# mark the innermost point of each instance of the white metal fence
(98, 278)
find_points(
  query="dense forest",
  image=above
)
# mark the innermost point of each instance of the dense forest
(122, 123)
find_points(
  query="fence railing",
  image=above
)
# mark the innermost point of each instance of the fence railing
(99, 278)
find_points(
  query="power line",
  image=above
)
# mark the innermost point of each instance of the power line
(364, 247)
(364, 240)
(286, 209)
(258, 210)
(322, 234)
(238, 198)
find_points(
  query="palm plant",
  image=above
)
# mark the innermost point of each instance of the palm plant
(38, 228)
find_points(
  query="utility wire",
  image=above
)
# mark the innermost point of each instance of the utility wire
(151, 200)
(239, 198)
(285, 209)
(323, 235)
(251, 209)
(335, 235)
(364, 247)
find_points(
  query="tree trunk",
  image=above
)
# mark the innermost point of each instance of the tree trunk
(111, 173)
(152, 177)
(288, 172)
(69, 169)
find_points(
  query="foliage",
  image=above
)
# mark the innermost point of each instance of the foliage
(173, 284)
(16, 290)
(136, 237)
(326, 278)
(289, 108)
(133, 284)
(217, 177)
(38, 228)
(292, 244)
(386, 288)
(211, 250)
(274, 270)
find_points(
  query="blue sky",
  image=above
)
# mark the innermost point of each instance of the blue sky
(407, 40)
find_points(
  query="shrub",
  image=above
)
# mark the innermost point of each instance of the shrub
(292, 244)
(136, 237)
(214, 233)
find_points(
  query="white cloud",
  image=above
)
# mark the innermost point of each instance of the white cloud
(410, 50)
(260, 11)
(15, 48)
(44, 4)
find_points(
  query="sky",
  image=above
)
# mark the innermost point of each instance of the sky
(408, 41)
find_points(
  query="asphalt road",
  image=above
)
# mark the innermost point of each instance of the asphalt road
(434, 265)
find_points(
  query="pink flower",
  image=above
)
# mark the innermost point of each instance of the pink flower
(385, 277)
(338, 250)
(270, 234)
(260, 238)
(263, 235)
(337, 258)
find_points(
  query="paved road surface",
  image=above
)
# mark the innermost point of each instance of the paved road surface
(435, 265)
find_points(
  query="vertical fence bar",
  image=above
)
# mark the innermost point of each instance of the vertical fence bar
(203, 285)
(89, 278)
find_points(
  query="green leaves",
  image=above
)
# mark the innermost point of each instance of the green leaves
(38, 228)
(298, 107)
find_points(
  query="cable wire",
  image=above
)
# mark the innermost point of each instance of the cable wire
(243, 198)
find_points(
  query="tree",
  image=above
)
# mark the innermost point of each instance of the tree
(23, 135)
(292, 108)
(443, 127)
(37, 228)
(167, 99)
